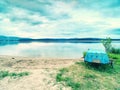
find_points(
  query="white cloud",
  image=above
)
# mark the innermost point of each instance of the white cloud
(61, 19)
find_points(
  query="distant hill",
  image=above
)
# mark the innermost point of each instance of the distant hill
(8, 40)
(5, 38)
(55, 40)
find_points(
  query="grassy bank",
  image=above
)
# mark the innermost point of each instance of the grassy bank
(81, 76)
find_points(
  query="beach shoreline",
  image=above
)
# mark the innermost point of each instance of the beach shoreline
(17, 61)
(42, 72)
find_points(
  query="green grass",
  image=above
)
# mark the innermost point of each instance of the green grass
(115, 57)
(69, 81)
(4, 74)
(81, 76)
(84, 54)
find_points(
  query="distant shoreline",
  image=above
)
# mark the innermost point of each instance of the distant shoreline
(54, 40)
(71, 40)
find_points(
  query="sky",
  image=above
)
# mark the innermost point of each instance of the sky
(60, 18)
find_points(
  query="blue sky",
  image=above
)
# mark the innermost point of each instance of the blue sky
(60, 18)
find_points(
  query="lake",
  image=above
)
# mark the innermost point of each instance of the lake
(49, 50)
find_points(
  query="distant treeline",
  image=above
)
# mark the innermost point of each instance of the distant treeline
(63, 40)
(55, 40)
(4, 38)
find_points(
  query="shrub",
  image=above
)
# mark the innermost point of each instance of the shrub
(84, 54)
(115, 50)
(107, 44)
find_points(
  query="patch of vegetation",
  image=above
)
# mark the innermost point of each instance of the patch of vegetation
(59, 75)
(107, 44)
(69, 81)
(4, 74)
(115, 57)
(115, 50)
(88, 76)
(84, 54)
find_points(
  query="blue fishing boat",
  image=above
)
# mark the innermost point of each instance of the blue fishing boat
(97, 56)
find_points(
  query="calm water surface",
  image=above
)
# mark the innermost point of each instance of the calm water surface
(50, 50)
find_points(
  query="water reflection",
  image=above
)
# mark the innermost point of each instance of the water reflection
(6, 42)
(48, 50)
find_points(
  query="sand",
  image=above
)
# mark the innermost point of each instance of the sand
(42, 73)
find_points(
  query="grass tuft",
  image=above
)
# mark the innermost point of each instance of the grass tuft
(4, 74)
(89, 76)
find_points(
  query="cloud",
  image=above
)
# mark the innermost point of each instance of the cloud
(59, 18)
(3, 7)
(35, 6)
(115, 31)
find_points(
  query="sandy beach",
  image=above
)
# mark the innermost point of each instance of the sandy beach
(42, 73)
